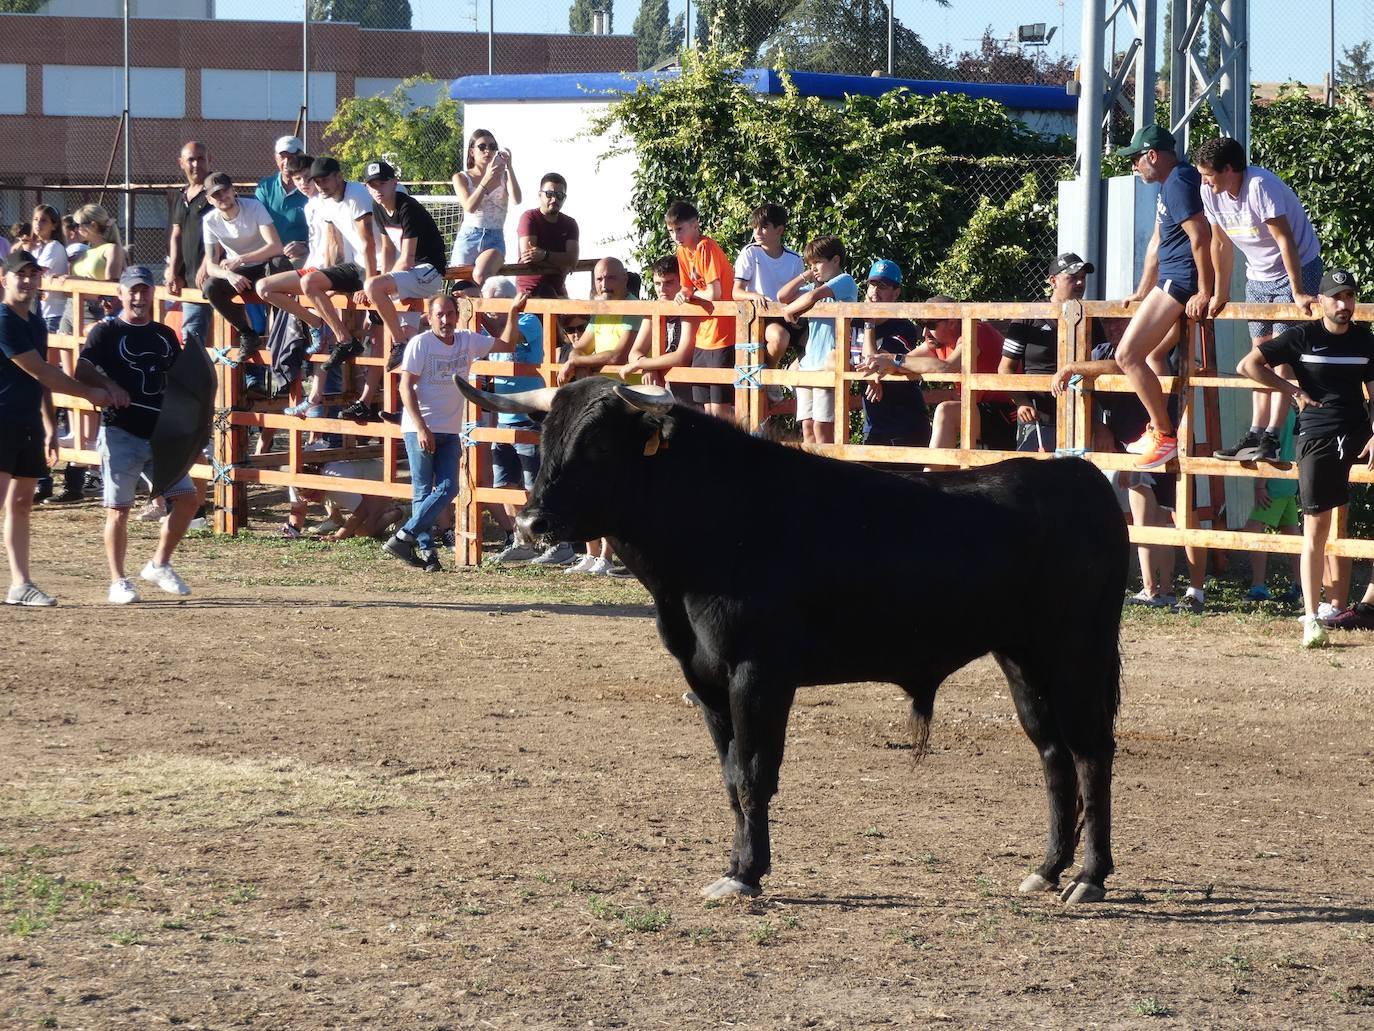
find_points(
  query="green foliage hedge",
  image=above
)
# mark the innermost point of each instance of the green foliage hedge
(956, 190)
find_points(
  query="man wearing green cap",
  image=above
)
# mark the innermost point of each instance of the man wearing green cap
(1177, 278)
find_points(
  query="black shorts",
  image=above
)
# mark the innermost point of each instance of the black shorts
(1180, 290)
(345, 279)
(21, 452)
(1324, 465)
(713, 393)
(998, 421)
(796, 335)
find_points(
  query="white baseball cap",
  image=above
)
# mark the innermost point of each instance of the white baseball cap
(290, 144)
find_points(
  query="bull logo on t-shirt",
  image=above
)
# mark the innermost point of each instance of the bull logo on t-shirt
(150, 362)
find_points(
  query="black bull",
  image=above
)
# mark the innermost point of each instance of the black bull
(773, 569)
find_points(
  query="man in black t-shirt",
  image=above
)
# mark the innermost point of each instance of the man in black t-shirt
(894, 411)
(133, 354)
(413, 254)
(185, 251)
(1333, 360)
(1031, 346)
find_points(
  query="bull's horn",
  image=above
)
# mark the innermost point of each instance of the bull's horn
(524, 402)
(656, 402)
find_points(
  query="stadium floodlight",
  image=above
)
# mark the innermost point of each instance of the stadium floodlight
(1034, 34)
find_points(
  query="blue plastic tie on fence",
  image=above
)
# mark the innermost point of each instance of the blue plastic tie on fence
(221, 473)
(1070, 452)
(222, 356)
(1076, 383)
(465, 435)
(747, 376)
(751, 347)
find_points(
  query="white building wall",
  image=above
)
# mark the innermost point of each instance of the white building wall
(548, 136)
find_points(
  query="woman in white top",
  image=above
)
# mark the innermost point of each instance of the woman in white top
(51, 252)
(486, 189)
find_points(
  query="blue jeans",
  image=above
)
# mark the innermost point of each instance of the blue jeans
(195, 318)
(434, 483)
(473, 240)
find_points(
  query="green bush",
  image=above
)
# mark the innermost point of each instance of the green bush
(939, 184)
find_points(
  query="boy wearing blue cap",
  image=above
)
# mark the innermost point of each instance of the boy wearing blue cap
(894, 412)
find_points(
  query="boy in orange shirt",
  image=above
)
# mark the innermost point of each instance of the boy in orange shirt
(706, 273)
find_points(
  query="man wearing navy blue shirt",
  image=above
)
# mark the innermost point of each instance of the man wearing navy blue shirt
(28, 426)
(1333, 360)
(1178, 278)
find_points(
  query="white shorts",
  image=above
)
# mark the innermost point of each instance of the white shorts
(417, 282)
(816, 404)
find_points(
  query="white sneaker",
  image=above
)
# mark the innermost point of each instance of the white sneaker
(1154, 601)
(198, 523)
(166, 578)
(122, 592)
(600, 567)
(1313, 633)
(516, 553)
(582, 565)
(1326, 610)
(152, 511)
(555, 555)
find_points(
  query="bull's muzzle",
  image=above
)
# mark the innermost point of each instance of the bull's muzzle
(531, 526)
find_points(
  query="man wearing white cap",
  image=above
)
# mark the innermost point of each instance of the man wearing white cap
(286, 203)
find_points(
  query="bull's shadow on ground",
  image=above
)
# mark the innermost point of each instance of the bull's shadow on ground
(479, 607)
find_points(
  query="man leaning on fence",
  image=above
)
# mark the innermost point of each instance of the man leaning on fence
(185, 246)
(1333, 359)
(284, 202)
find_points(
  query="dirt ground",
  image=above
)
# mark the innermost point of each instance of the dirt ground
(330, 792)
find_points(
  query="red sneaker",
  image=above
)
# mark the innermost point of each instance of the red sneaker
(1159, 449)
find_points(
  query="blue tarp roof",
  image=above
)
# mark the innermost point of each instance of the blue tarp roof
(588, 85)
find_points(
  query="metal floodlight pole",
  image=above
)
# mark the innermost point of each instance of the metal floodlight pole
(1145, 68)
(891, 37)
(305, 75)
(687, 26)
(491, 43)
(128, 140)
(1331, 87)
(1090, 104)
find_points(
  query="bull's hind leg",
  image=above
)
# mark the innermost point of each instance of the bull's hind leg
(1061, 779)
(759, 713)
(1095, 783)
(722, 728)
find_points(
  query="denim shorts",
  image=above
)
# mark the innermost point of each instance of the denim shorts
(123, 459)
(514, 465)
(473, 240)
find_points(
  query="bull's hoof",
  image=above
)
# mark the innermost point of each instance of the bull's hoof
(727, 886)
(1037, 883)
(1082, 891)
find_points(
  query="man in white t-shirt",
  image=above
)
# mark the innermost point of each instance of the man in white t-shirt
(432, 419)
(241, 247)
(1260, 216)
(347, 207)
(764, 267)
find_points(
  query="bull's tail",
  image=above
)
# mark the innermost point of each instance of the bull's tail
(922, 708)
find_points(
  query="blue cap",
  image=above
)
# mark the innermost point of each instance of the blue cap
(137, 275)
(886, 270)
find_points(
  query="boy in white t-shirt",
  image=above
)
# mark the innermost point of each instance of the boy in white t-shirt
(241, 248)
(764, 267)
(1260, 216)
(432, 419)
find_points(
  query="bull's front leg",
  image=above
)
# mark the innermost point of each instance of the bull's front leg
(715, 710)
(758, 713)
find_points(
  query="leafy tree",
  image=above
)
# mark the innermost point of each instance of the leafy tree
(581, 15)
(896, 176)
(996, 60)
(369, 14)
(740, 24)
(1358, 67)
(847, 36)
(425, 143)
(656, 38)
(20, 6)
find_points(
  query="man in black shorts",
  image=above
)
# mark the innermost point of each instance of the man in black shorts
(28, 425)
(1333, 359)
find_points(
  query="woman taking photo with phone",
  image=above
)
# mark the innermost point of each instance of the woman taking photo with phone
(486, 188)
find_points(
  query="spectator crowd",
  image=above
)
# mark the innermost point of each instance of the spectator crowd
(315, 264)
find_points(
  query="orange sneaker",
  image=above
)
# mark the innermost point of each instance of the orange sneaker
(1159, 449)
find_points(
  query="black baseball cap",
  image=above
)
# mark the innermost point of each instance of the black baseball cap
(216, 181)
(18, 260)
(1151, 137)
(1337, 280)
(378, 170)
(1070, 263)
(324, 165)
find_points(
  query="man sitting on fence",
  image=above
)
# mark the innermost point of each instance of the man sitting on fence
(412, 248)
(433, 420)
(894, 413)
(548, 240)
(132, 354)
(347, 208)
(1334, 362)
(241, 247)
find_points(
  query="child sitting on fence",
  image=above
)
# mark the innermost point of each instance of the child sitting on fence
(764, 266)
(823, 281)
